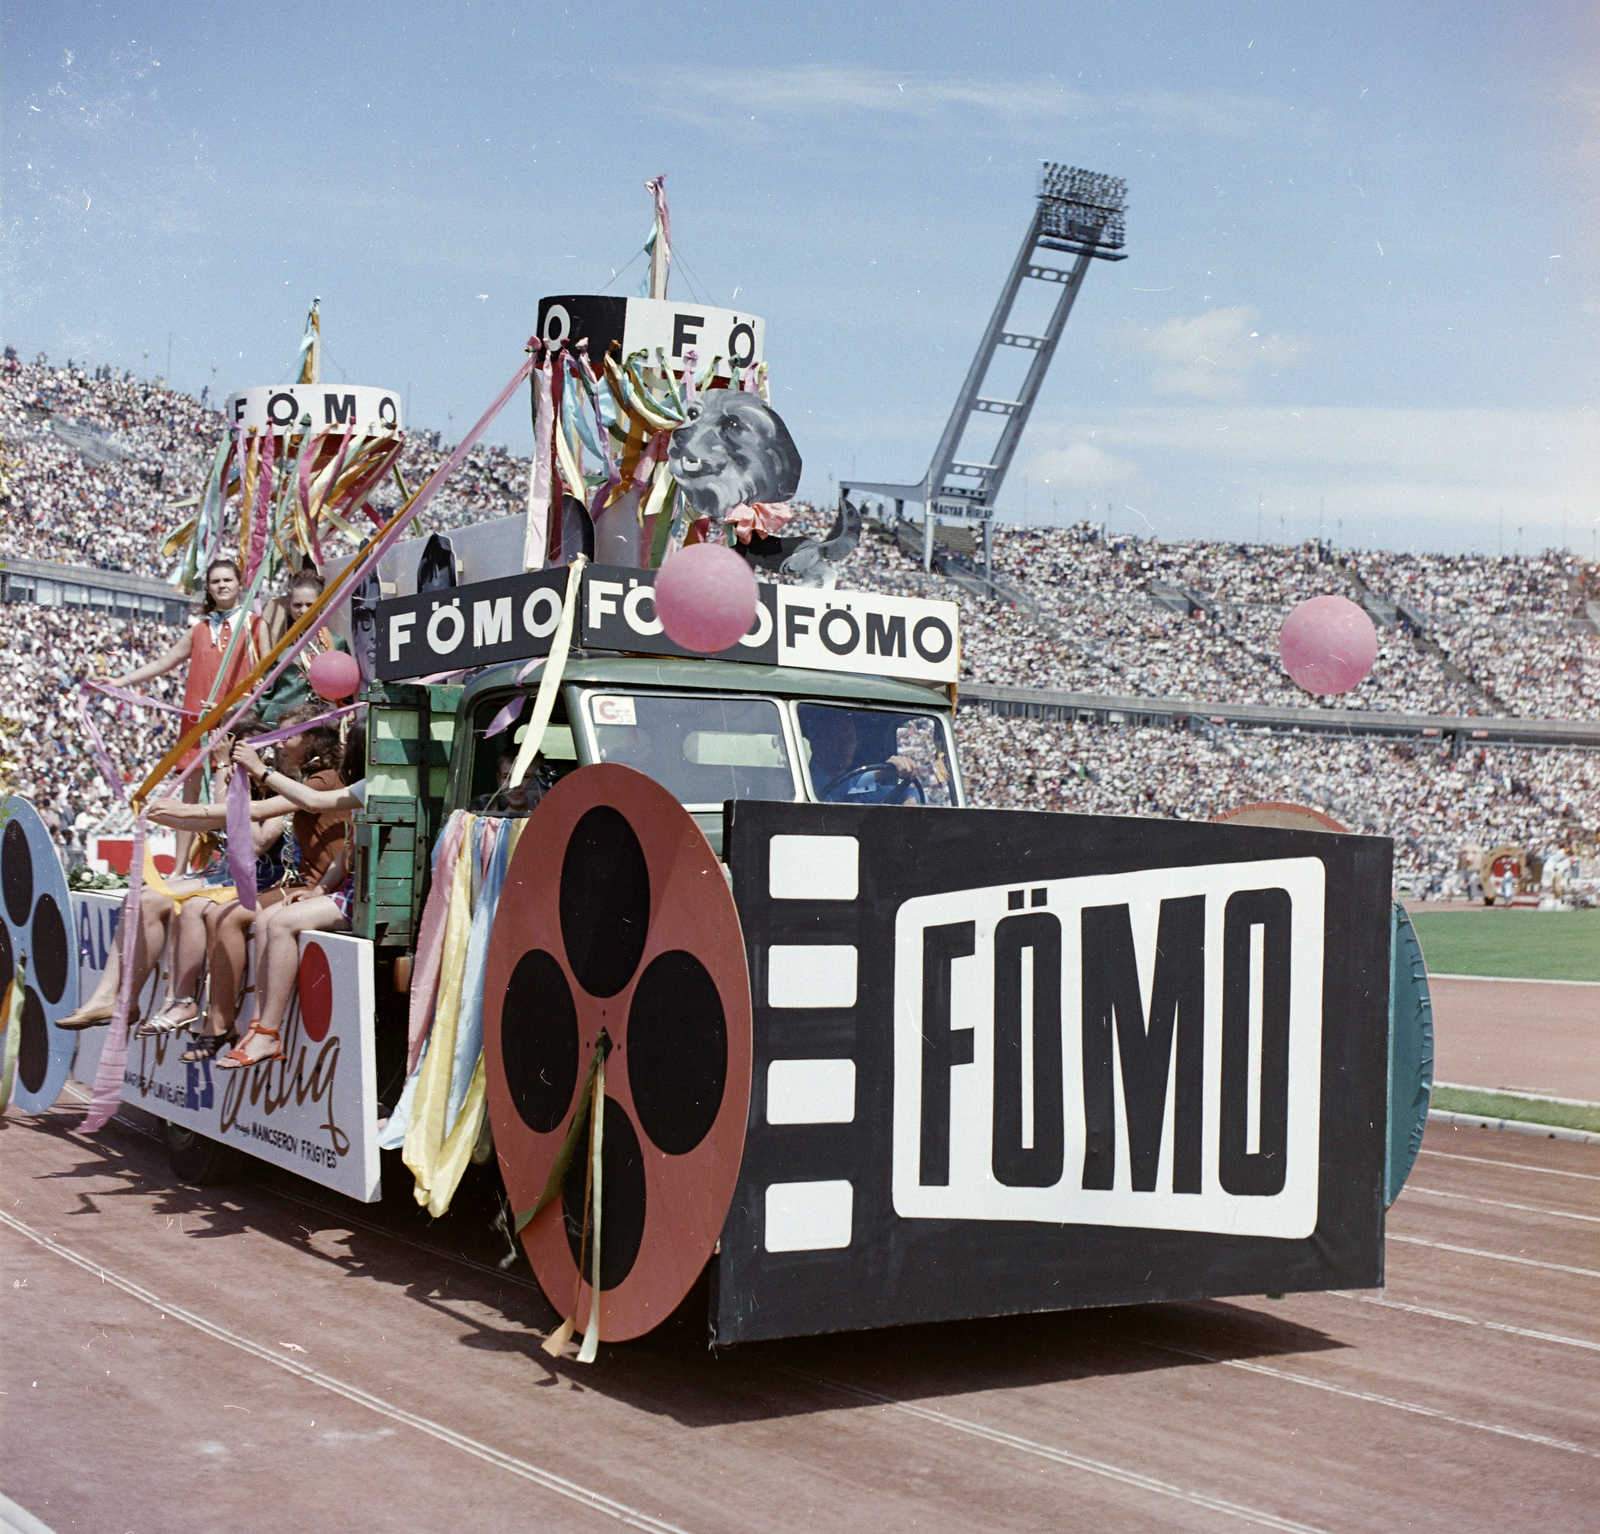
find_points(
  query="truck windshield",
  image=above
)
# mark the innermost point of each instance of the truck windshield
(702, 750)
(875, 756)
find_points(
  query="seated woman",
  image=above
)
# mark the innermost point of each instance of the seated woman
(321, 907)
(311, 846)
(186, 896)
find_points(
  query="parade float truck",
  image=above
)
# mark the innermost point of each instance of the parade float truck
(867, 1054)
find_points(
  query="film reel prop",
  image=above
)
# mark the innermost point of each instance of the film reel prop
(35, 925)
(616, 921)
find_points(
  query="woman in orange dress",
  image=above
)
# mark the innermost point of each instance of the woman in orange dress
(205, 648)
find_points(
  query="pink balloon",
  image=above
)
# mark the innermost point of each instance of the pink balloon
(706, 598)
(1328, 645)
(334, 675)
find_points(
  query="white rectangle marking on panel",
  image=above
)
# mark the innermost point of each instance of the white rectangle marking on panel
(1258, 1000)
(808, 1216)
(1026, 957)
(813, 867)
(811, 1091)
(811, 975)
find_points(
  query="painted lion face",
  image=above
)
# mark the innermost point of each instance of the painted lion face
(734, 449)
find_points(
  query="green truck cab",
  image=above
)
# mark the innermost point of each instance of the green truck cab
(731, 730)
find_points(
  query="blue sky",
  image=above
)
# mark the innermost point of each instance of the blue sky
(1363, 285)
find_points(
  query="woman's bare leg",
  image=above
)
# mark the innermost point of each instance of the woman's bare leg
(230, 934)
(278, 963)
(188, 959)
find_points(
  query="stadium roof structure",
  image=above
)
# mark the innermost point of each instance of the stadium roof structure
(1078, 213)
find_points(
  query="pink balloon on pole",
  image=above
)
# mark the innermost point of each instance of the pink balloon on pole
(1328, 645)
(334, 675)
(706, 598)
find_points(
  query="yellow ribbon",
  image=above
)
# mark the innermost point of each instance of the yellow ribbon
(550, 678)
(11, 1028)
(426, 1133)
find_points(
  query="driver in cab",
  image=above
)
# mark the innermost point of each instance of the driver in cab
(846, 770)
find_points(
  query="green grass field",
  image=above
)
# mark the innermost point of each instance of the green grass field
(1518, 945)
(1497, 1105)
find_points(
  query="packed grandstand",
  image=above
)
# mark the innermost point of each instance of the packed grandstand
(96, 468)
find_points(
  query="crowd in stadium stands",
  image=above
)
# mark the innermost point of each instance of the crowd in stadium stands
(1431, 803)
(94, 463)
(51, 761)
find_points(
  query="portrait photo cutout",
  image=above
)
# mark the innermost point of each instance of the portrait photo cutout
(733, 450)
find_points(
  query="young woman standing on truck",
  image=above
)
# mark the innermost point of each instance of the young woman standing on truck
(321, 907)
(219, 656)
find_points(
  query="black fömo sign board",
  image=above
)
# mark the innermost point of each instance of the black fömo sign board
(1008, 1062)
(488, 623)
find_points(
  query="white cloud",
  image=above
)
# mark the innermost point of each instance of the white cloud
(1214, 354)
(821, 90)
(1080, 466)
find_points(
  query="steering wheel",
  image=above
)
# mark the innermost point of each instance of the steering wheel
(900, 793)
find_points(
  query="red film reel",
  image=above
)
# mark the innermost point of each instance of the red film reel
(616, 917)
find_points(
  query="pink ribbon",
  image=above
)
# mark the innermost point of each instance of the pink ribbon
(508, 715)
(430, 947)
(143, 700)
(258, 533)
(538, 533)
(763, 517)
(107, 1090)
(241, 840)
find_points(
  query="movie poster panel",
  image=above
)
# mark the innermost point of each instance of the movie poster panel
(314, 1113)
(1007, 1061)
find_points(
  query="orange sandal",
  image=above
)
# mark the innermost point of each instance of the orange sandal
(237, 1060)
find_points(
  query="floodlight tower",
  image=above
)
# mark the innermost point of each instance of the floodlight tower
(1079, 213)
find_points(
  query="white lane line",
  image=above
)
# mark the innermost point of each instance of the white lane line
(1516, 1092)
(1509, 979)
(1450, 1315)
(1377, 1400)
(1060, 1456)
(1500, 1203)
(1516, 1166)
(1472, 1251)
(594, 1500)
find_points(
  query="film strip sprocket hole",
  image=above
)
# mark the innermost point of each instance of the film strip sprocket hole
(616, 918)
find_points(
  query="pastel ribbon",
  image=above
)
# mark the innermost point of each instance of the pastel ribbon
(550, 680)
(107, 1090)
(11, 1030)
(427, 1129)
(430, 949)
(762, 518)
(241, 839)
(536, 538)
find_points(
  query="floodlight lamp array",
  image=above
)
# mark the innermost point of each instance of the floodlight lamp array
(1082, 206)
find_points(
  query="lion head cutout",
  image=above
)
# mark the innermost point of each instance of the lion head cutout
(733, 450)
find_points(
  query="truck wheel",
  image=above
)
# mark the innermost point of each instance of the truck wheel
(198, 1160)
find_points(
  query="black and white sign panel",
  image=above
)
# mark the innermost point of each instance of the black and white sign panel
(284, 407)
(1007, 1061)
(491, 622)
(1191, 1101)
(652, 324)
